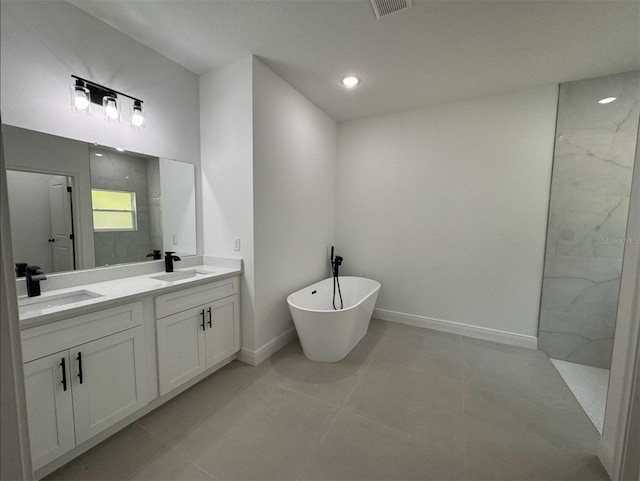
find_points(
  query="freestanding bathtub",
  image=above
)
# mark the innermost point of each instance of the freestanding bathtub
(328, 335)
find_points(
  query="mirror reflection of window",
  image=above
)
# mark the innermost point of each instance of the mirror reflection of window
(113, 210)
(121, 205)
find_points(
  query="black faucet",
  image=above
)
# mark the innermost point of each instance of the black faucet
(34, 276)
(168, 260)
(156, 254)
(21, 269)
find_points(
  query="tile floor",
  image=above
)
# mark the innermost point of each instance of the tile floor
(589, 385)
(406, 404)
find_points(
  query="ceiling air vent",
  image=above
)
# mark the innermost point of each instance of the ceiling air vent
(386, 7)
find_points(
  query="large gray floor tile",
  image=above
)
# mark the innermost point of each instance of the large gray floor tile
(416, 402)
(195, 442)
(356, 448)
(501, 370)
(513, 438)
(408, 347)
(173, 419)
(519, 420)
(269, 437)
(492, 460)
(169, 465)
(330, 382)
(114, 459)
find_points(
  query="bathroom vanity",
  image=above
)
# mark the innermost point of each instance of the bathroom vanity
(99, 356)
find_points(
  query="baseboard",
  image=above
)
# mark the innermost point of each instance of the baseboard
(467, 330)
(274, 345)
(606, 458)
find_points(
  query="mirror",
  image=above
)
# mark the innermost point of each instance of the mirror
(75, 205)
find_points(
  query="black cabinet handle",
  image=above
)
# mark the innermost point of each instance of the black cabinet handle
(209, 311)
(79, 358)
(64, 375)
(51, 240)
(202, 324)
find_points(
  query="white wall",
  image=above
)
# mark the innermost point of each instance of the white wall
(294, 148)
(268, 162)
(43, 43)
(447, 208)
(226, 133)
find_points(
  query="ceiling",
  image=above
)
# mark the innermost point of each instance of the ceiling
(436, 52)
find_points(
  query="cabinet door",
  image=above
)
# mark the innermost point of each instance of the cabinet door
(108, 381)
(181, 348)
(49, 407)
(223, 335)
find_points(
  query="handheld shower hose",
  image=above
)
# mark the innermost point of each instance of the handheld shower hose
(336, 262)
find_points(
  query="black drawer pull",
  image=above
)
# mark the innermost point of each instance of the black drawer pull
(209, 316)
(64, 375)
(79, 358)
(202, 324)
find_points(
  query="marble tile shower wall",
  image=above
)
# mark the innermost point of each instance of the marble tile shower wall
(125, 173)
(591, 184)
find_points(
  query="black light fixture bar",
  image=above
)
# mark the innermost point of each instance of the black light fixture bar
(98, 91)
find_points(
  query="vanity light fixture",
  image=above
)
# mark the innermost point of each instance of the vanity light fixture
(85, 92)
(350, 81)
(606, 100)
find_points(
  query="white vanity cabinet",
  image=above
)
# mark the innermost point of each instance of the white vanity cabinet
(49, 407)
(196, 329)
(82, 375)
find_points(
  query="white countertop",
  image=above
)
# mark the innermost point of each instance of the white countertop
(110, 293)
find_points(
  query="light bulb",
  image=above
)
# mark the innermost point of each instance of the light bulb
(111, 107)
(111, 110)
(80, 98)
(137, 115)
(606, 100)
(137, 119)
(81, 101)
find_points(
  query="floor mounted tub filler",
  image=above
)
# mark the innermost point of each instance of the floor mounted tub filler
(326, 334)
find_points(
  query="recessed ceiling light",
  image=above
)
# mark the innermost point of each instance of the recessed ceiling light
(98, 154)
(606, 100)
(350, 81)
(119, 149)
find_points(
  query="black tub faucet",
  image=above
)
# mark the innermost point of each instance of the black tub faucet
(168, 260)
(34, 276)
(156, 254)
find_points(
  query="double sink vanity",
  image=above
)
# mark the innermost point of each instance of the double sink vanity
(101, 348)
(104, 346)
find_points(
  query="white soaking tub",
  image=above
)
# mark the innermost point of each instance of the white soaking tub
(326, 334)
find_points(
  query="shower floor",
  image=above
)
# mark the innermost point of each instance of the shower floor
(589, 385)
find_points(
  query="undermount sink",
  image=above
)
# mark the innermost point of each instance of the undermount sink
(182, 275)
(32, 304)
